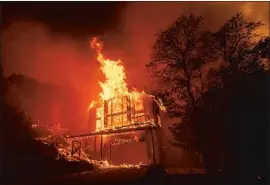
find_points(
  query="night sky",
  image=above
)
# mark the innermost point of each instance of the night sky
(72, 18)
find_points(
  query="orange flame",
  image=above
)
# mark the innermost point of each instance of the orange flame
(114, 72)
(114, 87)
(92, 104)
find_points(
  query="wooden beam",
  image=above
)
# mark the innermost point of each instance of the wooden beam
(147, 142)
(153, 147)
(76, 148)
(110, 151)
(115, 131)
(105, 114)
(95, 143)
(101, 146)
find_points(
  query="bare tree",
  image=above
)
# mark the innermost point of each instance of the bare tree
(236, 36)
(241, 53)
(178, 57)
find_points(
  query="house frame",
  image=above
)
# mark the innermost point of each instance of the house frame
(149, 123)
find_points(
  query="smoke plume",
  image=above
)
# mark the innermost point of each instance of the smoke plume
(31, 49)
(141, 21)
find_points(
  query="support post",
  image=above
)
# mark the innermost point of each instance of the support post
(95, 143)
(122, 111)
(79, 152)
(153, 146)
(101, 146)
(110, 151)
(147, 140)
(111, 123)
(129, 109)
(105, 113)
(72, 148)
(76, 147)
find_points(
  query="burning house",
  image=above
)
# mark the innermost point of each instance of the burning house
(124, 127)
(121, 122)
(128, 129)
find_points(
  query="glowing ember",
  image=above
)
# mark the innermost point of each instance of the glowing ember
(64, 148)
(92, 104)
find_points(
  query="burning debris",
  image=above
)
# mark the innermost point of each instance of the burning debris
(57, 137)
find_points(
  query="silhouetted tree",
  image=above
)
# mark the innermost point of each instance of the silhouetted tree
(236, 39)
(181, 51)
(237, 108)
(178, 57)
(234, 115)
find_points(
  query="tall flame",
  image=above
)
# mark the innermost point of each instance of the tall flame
(114, 88)
(114, 72)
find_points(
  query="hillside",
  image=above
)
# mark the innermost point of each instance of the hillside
(50, 104)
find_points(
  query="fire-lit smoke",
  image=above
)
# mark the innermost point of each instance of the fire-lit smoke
(34, 51)
(30, 48)
(142, 20)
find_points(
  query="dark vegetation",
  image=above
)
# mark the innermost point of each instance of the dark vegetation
(24, 159)
(48, 103)
(217, 83)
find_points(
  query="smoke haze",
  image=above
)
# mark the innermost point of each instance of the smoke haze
(30, 48)
(142, 20)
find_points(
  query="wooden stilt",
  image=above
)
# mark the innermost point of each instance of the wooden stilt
(76, 147)
(146, 132)
(79, 152)
(95, 143)
(101, 146)
(72, 149)
(153, 146)
(110, 151)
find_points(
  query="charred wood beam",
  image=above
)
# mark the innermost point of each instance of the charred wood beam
(124, 112)
(153, 146)
(126, 126)
(111, 123)
(95, 143)
(101, 146)
(122, 106)
(105, 113)
(110, 151)
(117, 114)
(114, 131)
(129, 110)
(76, 148)
(148, 146)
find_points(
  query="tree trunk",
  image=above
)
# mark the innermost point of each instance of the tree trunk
(160, 139)
(209, 148)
